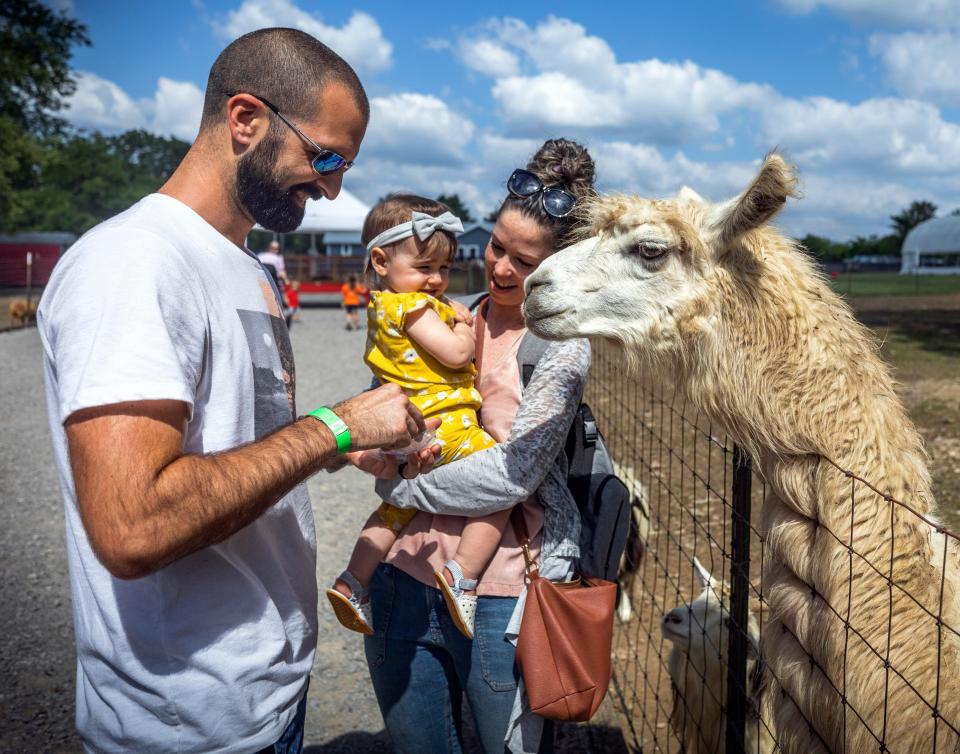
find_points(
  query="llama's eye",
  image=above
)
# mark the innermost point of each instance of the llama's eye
(649, 250)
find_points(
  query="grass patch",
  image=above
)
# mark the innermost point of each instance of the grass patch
(894, 284)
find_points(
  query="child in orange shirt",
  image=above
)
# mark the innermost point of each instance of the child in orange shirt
(351, 292)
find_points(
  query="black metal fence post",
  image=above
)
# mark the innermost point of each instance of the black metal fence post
(737, 638)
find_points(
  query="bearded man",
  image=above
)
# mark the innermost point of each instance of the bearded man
(170, 390)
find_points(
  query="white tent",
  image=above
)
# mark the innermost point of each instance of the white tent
(340, 222)
(933, 247)
(345, 213)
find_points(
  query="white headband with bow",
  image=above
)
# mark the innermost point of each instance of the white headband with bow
(422, 225)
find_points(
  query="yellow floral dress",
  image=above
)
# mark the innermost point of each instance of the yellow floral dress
(434, 388)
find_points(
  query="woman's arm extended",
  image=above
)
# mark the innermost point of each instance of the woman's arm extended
(500, 477)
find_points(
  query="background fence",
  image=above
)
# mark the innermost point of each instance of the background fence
(697, 499)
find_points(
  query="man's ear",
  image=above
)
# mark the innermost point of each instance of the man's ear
(757, 205)
(378, 260)
(247, 118)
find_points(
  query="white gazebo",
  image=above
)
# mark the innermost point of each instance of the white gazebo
(338, 222)
(933, 248)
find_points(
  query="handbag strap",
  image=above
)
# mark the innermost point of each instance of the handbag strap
(523, 539)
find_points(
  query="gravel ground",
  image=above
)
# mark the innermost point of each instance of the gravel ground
(36, 630)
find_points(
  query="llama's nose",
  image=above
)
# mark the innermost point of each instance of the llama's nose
(672, 617)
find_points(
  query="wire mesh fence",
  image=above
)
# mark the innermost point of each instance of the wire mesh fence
(702, 662)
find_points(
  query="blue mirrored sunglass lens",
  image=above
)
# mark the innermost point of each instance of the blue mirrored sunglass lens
(328, 162)
(557, 203)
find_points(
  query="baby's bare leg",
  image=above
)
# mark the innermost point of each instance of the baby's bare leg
(374, 542)
(478, 543)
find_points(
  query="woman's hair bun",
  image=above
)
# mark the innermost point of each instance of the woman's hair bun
(565, 162)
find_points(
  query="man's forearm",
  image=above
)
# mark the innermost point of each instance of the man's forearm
(200, 500)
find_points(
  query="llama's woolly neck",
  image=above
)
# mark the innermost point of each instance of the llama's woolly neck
(779, 359)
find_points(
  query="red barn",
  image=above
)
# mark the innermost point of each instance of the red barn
(44, 250)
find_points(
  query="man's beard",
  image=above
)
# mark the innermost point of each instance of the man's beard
(261, 191)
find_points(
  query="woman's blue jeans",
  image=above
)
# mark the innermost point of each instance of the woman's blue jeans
(421, 666)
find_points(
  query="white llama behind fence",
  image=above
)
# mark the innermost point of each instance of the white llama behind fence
(698, 671)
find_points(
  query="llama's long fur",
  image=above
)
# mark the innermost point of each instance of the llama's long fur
(741, 320)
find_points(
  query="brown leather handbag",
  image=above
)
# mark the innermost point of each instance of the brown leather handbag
(565, 639)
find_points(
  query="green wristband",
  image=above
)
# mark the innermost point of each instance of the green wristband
(339, 428)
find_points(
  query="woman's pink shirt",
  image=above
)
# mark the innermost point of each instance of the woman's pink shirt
(430, 540)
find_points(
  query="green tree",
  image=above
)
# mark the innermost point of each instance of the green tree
(156, 156)
(35, 76)
(456, 205)
(875, 246)
(82, 179)
(911, 217)
(824, 249)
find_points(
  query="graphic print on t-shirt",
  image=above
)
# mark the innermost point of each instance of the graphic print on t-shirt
(274, 377)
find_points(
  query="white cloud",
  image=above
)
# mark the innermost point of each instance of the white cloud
(360, 41)
(375, 177)
(559, 44)
(836, 206)
(842, 208)
(925, 65)
(174, 109)
(915, 13)
(644, 170)
(488, 57)
(578, 84)
(416, 127)
(876, 136)
(177, 107)
(101, 104)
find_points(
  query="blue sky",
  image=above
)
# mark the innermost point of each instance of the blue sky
(863, 95)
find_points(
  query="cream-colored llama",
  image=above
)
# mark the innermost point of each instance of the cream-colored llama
(698, 671)
(715, 300)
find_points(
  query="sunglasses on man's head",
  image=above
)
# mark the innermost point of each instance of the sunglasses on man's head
(556, 201)
(326, 161)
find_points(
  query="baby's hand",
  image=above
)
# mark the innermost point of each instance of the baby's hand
(462, 313)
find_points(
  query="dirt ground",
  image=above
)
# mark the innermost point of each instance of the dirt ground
(920, 338)
(37, 658)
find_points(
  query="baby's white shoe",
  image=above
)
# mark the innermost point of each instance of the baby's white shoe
(355, 611)
(462, 607)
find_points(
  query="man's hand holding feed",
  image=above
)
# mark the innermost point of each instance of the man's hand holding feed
(384, 466)
(380, 418)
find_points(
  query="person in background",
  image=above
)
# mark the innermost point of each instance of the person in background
(273, 257)
(292, 292)
(352, 291)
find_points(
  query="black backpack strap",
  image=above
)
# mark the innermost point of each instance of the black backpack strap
(471, 300)
(529, 353)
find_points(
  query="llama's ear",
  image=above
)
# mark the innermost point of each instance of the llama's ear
(687, 195)
(703, 574)
(756, 206)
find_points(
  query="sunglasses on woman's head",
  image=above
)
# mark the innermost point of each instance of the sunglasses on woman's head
(556, 201)
(326, 161)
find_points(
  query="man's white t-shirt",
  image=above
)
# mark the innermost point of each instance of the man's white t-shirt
(213, 652)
